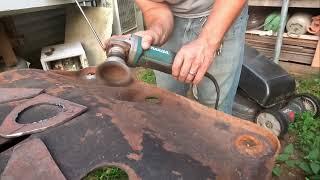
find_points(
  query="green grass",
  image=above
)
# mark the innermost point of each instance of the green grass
(147, 76)
(309, 85)
(107, 173)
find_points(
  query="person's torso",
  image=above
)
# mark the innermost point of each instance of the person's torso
(189, 8)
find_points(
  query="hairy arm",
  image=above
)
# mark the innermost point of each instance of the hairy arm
(193, 59)
(221, 18)
(158, 19)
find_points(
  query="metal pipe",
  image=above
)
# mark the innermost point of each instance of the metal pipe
(91, 27)
(284, 13)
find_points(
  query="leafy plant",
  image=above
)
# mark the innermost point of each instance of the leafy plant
(107, 173)
(307, 133)
(147, 75)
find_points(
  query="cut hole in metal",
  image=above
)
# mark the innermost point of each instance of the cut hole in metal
(152, 100)
(107, 173)
(249, 145)
(38, 112)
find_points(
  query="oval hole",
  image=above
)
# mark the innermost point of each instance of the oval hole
(107, 173)
(38, 112)
(152, 99)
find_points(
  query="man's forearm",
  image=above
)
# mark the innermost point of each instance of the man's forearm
(158, 18)
(222, 16)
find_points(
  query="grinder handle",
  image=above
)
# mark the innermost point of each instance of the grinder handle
(154, 58)
(157, 58)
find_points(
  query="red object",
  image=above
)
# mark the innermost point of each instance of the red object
(314, 28)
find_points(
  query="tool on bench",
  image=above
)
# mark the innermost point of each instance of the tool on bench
(126, 51)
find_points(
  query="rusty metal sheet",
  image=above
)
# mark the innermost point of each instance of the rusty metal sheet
(10, 128)
(31, 160)
(14, 94)
(171, 138)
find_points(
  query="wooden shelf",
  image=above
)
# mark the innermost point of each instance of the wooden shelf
(269, 33)
(293, 3)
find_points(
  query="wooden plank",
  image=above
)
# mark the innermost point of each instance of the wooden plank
(292, 3)
(286, 40)
(316, 58)
(288, 56)
(269, 33)
(284, 47)
(299, 69)
(6, 50)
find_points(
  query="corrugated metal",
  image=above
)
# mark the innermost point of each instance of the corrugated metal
(127, 15)
(39, 29)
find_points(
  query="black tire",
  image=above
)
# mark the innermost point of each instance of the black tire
(279, 117)
(311, 101)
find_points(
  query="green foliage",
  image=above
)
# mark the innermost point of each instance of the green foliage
(107, 173)
(307, 131)
(310, 85)
(276, 170)
(289, 149)
(147, 76)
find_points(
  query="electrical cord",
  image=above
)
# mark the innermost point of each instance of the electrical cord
(213, 79)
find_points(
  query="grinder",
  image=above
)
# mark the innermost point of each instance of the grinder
(123, 52)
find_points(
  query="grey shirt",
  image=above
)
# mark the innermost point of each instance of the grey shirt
(189, 8)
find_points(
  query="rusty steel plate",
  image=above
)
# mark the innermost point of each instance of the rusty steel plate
(10, 128)
(33, 160)
(169, 138)
(14, 94)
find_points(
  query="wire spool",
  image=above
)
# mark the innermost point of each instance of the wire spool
(298, 24)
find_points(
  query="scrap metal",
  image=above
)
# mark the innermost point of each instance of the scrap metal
(171, 138)
(14, 94)
(33, 158)
(10, 128)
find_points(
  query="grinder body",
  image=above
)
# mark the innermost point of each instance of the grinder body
(128, 52)
(154, 58)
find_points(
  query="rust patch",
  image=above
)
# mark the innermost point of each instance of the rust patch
(31, 160)
(250, 146)
(134, 156)
(89, 132)
(176, 173)
(15, 94)
(12, 76)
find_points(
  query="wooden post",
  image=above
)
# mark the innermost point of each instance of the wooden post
(6, 50)
(316, 59)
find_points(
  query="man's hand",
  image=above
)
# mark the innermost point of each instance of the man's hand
(149, 38)
(193, 60)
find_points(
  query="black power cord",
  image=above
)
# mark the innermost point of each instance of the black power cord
(216, 85)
